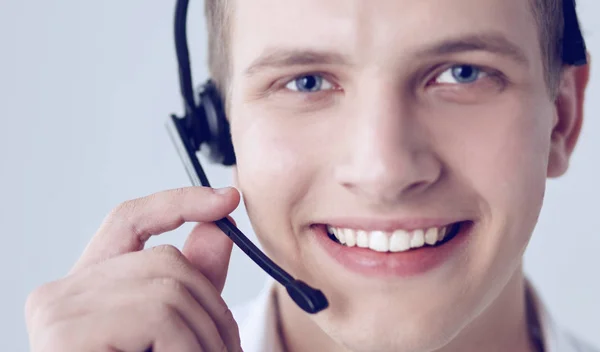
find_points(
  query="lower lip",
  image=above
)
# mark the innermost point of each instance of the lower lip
(413, 262)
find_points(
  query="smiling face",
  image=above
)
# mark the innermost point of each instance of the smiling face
(383, 119)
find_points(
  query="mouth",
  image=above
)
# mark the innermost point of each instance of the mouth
(399, 252)
(396, 241)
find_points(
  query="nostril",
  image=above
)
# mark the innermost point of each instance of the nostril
(417, 187)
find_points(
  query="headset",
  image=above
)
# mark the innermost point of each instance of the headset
(205, 129)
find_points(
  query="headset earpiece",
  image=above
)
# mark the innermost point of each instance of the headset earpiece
(214, 130)
(205, 126)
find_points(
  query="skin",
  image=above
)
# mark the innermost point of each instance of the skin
(122, 297)
(394, 139)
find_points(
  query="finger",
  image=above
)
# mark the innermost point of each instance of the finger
(208, 249)
(131, 224)
(178, 337)
(171, 296)
(161, 330)
(155, 304)
(156, 262)
(168, 261)
(193, 314)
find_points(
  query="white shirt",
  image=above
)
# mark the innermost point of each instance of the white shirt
(257, 321)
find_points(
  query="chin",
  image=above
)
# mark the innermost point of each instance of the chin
(385, 325)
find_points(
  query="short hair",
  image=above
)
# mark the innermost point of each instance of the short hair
(547, 13)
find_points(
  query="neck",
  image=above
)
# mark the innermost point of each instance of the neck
(502, 326)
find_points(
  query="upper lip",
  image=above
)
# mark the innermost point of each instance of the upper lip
(389, 225)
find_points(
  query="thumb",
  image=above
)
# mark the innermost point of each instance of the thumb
(208, 249)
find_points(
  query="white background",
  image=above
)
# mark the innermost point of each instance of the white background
(85, 88)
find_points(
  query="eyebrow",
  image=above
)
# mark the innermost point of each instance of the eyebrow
(279, 57)
(491, 42)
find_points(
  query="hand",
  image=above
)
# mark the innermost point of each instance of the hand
(122, 297)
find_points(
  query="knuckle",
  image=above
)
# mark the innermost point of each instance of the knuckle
(31, 304)
(124, 209)
(165, 313)
(168, 251)
(36, 298)
(168, 260)
(179, 191)
(52, 313)
(223, 348)
(171, 289)
(47, 316)
(231, 324)
(175, 198)
(228, 317)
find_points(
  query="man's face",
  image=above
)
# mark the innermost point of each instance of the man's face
(392, 116)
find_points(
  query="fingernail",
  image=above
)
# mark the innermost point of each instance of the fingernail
(223, 191)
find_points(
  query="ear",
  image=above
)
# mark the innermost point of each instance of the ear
(568, 119)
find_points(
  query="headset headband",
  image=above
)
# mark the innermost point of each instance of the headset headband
(183, 56)
(574, 51)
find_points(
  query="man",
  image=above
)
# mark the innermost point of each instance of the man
(392, 153)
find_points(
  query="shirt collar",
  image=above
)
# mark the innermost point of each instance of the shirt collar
(259, 332)
(553, 339)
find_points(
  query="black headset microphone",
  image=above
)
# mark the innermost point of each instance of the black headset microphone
(205, 128)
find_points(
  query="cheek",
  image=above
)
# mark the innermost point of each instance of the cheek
(273, 174)
(270, 158)
(506, 165)
(511, 163)
(521, 160)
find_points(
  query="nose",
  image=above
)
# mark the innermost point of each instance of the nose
(386, 156)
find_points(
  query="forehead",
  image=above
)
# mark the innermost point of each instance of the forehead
(373, 30)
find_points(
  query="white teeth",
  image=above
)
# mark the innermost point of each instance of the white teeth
(397, 241)
(418, 239)
(379, 241)
(400, 241)
(350, 237)
(362, 239)
(332, 230)
(431, 236)
(442, 234)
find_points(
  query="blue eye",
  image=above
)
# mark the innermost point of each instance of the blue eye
(461, 74)
(309, 83)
